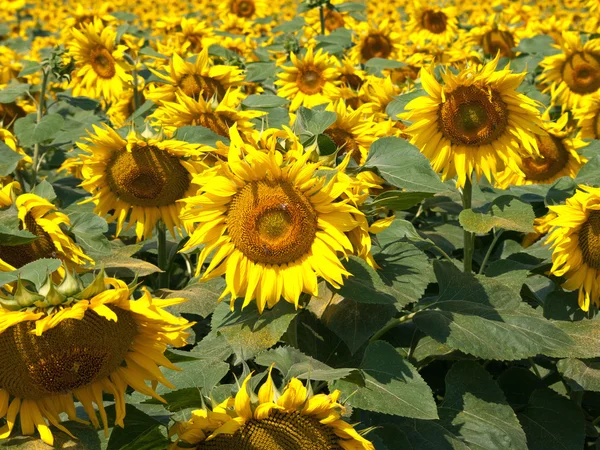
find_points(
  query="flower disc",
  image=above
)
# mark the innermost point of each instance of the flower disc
(581, 72)
(243, 8)
(376, 45)
(495, 41)
(472, 116)
(19, 255)
(193, 85)
(215, 122)
(589, 240)
(333, 20)
(309, 80)
(271, 222)
(345, 141)
(72, 355)
(147, 176)
(555, 158)
(434, 21)
(103, 63)
(279, 431)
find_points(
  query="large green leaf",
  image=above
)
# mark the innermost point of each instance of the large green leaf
(202, 297)
(365, 284)
(249, 332)
(389, 384)
(552, 421)
(10, 232)
(402, 165)
(8, 159)
(141, 432)
(585, 340)
(485, 317)
(586, 374)
(13, 91)
(506, 212)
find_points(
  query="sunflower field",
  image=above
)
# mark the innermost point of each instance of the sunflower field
(300, 225)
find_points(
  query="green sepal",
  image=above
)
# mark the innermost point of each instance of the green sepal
(24, 297)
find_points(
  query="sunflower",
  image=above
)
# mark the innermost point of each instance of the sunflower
(218, 117)
(196, 35)
(64, 342)
(353, 132)
(376, 42)
(311, 80)
(194, 79)
(475, 121)
(541, 227)
(588, 118)
(558, 157)
(377, 93)
(293, 420)
(246, 9)
(38, 216)
(144, 178)
(101, 68)
(575, 241)
(494, 38)
(431, 23)
(122, 108)
(573, 75)
(275, 226)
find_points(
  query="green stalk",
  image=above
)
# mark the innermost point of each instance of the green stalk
(163, 277)
(467, 235)
(136, 92)
(322, 17)
(489, 252)
(40, 114)
(391, 325)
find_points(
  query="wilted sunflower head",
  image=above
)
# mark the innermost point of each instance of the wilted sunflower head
(274, 225)
(573, 76)
(292, 420)
(66, 340)
(467, 123)
(575, 241)
(144, 178)
(41, 218)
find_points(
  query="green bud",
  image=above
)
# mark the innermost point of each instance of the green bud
(70, 286)
(24, 297)
(53, 297)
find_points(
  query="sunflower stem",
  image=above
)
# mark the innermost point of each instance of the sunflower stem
(322, 17)
(467, 193)
(40, 113)
(535, 367)
(392, 324)
(163, 276)
(490, 250)
(136, 92)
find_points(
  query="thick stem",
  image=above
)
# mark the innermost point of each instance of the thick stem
(490, 250)
(468, 236)
(163, 276)
(391, 325)
(40, 114)
(322, 17)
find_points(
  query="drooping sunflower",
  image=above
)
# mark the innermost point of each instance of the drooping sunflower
(65, 341)
(476, 121)
(194, 79)
(588, 118)
(381, 41)
(137, 177)
(102, 70)
(575, 239)
(217, 116)
(40, 217)
(311, 80)
(558, 157)
(292, 420)
(573, 75)
(430, 23)
(273, 225)
(353, 132)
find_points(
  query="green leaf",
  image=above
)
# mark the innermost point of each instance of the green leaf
(541, 44)
(201, 374)
(355, 322)
(485, 317)
(263, 101)
(89, 229)
(37, 271)
(9, 159)
(585, 373)
(44, 190)
(249, 332)
(326, 145)
(10, 234)
(399, 200)
(590, 172)
(506, 212)
(585, 340)
(292, 363)
(389, 385)
(121, 263)
(47, 128)
(365, 285)
(402, 165)
(405, 271)
(551, 421)
(476, 412)
(376, 65)
(13, 91)
(202, 297)
(314, 121)
(199, 135)
(260, 71)
(141, 432)
(29, 68)
(398, 104)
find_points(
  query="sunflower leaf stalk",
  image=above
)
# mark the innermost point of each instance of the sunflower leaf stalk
(468, 237)
(161, 236)
(40, 113)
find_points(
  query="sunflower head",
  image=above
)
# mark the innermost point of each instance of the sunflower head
(291, 420)
(71, 340)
